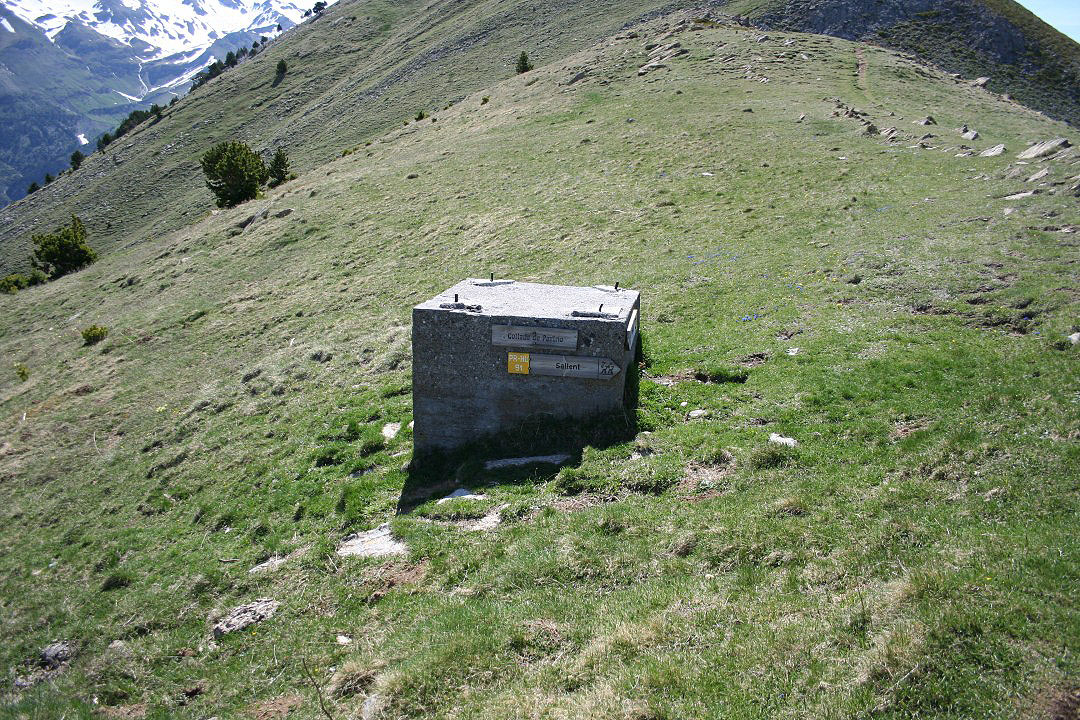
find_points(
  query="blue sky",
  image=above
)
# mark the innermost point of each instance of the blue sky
(1062, 14)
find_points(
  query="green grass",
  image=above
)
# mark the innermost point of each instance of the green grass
(913, 556)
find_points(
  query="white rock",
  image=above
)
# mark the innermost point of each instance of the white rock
(531, 460)
(971, 135)
(1039, 175)
(410, 424)
(683, 404)
(390, 430)
(781, 440)
(379, 542)
(993, 151)
(793, 351)
(1046, 147)
(1020, 195)
(344, 640)
(271, 564)
(1074, 338)
(460, 493)
(245, 615)
(695, 414)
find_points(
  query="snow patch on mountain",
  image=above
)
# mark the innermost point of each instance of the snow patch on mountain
(158, 29)
(6, 25)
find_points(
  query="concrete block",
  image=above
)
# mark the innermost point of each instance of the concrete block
(489, 355)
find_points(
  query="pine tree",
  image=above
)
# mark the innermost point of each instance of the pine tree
(234, 173)
(523, 65)
(76, 159)
(279, 168)
(103, 141)
(34, 187)
(230, 59)
(49, 178)
(63, 251)
(282, 68)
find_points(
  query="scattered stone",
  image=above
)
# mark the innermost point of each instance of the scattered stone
(322, 356)
(531, 460)
(695, 414)
(889, 132)
(793, 351)
(970, 135)
(928, 120)
(1046, 147)
(981, 81)
(762, 38)
(1020, 195)
(1039, 175)
(379, 542)
(580, 76)
(781, 440)
(276, 561)
(283, 213)
(412, 176)
(344, 640)
(1075, 338)
(461, 493)
(801, 117)
(993, 151)
(244, 616)
(56, 654)
(390, 430)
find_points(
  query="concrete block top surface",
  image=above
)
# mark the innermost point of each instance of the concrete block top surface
(510, 298)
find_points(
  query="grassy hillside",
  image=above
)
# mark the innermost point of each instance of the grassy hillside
(885, 303)
(361, 68)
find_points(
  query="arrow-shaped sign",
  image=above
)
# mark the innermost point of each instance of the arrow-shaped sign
(593, 368)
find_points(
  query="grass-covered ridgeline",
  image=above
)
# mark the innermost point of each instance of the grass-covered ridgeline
(882, 303)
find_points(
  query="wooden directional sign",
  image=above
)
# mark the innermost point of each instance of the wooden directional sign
(592, 368)
(544, 337)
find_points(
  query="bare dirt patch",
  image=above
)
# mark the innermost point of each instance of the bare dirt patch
(274, 709)
(124, 712)
(906, 427)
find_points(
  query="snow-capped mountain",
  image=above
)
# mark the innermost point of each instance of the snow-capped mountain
(72, 69)
(163, 32)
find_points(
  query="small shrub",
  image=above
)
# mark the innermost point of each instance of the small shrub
(279, 169)
(34, 187)
(282, 68)
(234, 173)
(484, 100)
(420, 116)
(37, 277)
(523, 64)
(94, 334)
(13, 283)
(22, 372)
(63, 251)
